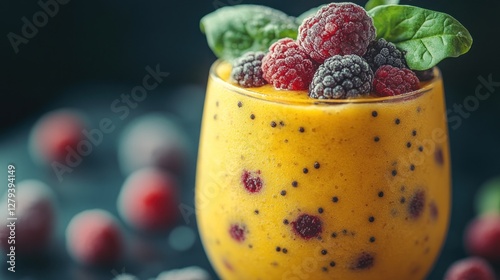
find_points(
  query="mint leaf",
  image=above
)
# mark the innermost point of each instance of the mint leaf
(233, 30)
(308, 13)
(375, 3)
(427, 36)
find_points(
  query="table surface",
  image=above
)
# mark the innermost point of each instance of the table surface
(96, 183)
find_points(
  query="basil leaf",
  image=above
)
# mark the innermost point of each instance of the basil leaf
(233, 30)
(375, 3)
(308, 13)
(426, 36)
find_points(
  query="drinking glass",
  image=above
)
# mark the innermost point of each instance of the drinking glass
(290, 187)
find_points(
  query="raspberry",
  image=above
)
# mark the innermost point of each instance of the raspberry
(287, 66)
(470, 268)
(381, 52)
(341, 77)
(247, 70)
(391, 81)
(482, 237)
(336, 29)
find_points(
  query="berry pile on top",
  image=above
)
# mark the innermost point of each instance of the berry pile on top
(336, 51)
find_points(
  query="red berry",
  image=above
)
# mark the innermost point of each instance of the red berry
(287, 66)
(307, 226)
(148, 200)
(93, 237)
(472, 268)
(390, 81)
(336, 29)
(55, 134)
(153, 140)
(482, 237)
(35, 213)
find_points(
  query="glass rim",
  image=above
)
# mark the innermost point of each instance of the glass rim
(428, 86)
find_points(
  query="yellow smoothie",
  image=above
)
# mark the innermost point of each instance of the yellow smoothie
(290, 187)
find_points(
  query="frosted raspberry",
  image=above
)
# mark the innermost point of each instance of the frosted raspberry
(287, 66)
(336, 29)
(391, 81)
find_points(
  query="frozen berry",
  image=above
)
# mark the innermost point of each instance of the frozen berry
(287, 66)
(153, 140)
(381, 52)
(93, 237)
(187, 273)
(425, 75)
(307, 226)
(57, 134)
(336, 29)
(341, 77)
(390, 81)
(247, 70)
(482, 237)
(33, 230)
(148, 200)
(472, 268)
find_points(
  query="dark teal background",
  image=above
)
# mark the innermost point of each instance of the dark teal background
(92, 51)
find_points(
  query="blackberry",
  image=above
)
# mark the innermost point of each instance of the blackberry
(425, 75)
(380, 52)
(341, 77)
(247, 70)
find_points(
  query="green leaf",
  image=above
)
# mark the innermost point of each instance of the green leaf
(375, 3)
(427, 36)
(233, 30)
(488, 197)
(308, 13)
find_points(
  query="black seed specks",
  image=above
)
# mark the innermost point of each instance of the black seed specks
(402, 200)
(317, 165)
(282, 123)
(283, 192)
(438, 156)
(240, 104)
(421, 148)
(252, 116)
(397, 121)
(305, 170)
(372, 239)
(416, 204)
(324, 252)
(301, 129)
(256, 211)
(334, 235)
(295, 184)
(332, 264)
(324, 269)
(374, 114)
(408, 144)
(320, 210)
(335, 199)
(273, 124)
(284, 250)
(412, 167)
(363, 261)
(278, 249)
(394, 173)
(286, 222)
(376, 139)
(371, 219)
(380, 194)
(414, 133)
